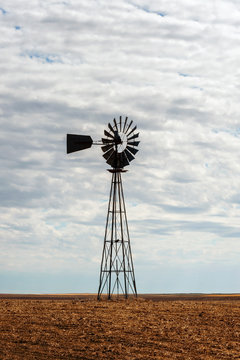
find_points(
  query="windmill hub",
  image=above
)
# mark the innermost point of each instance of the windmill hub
(119, 147)
(123, 144)
(117, 138)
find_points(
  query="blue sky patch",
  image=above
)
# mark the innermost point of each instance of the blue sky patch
(49, 60)
(184, 74)
(234, 132)
(18, 27)
(147, 10)
(3, 11)
(197, 88)
(154, 12)
(45, 58)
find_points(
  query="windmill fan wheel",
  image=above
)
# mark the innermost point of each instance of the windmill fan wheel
(120, 145)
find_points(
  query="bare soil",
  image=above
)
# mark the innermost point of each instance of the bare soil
(151, 327)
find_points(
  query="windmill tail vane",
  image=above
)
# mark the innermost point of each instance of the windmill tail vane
(119, 147)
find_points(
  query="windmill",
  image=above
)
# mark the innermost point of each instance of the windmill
(119, 147)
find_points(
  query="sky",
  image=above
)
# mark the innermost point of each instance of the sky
(71, 67)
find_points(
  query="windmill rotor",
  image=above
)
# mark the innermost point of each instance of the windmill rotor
(121, 142)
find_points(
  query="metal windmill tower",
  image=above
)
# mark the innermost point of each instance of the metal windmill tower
(119, 147)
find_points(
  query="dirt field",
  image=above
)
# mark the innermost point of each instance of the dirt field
(79, 327)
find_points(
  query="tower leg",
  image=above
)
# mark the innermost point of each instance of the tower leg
(117, 272)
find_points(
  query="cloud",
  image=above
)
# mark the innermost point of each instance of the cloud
(70, 67)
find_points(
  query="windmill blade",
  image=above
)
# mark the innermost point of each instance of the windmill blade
(125, 161)
(122, 160)
(120, 123)
(133, 129)
(129, 155)
(107, 141)
(115, 123)
(106, 148)
(119, 163)
(133, 137)
(106, 133)
(108, 154)
(78, 142)
(129, 126)
(112, 162)
(125, 123)
(132, 150)
(134, 143)
(110, 127)
(112, 159)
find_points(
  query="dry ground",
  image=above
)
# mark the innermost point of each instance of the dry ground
(83, 328)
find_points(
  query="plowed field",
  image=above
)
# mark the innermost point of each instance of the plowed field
(79, 328)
